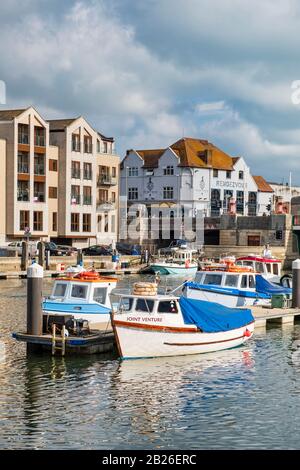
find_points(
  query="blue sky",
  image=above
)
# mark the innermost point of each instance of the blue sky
(149, 72)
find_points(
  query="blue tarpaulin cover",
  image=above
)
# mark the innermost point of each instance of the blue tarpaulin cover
(211, 317)
(265, 287)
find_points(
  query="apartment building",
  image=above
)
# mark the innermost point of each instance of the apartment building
(55, 172)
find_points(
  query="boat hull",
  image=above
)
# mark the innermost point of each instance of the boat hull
(223, 298)
(174, 270)
(144, 342)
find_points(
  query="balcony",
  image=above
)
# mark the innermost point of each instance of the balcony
(106, 180)
(23, 196)
(105, 205)
(39, 169)
(23, 168)
(39, 197)
(75, 199)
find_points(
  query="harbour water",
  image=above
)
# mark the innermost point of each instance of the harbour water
(245, 398)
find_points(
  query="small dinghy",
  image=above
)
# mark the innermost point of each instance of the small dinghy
(147, 324)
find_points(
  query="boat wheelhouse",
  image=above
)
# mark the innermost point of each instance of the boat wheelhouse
(181, 263)
(232, 289)
(84, 296)
(270, 268)
(164, 325)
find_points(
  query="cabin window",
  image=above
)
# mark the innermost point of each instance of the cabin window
(60, 290)
(275, 268)
(214, 279)
(231, 280)
(79, 291)
(167, 306)
(244, 282)
(100, 295)
(259, 267)
(251, 282)
(199, 277)
(126, 304)
(144, 305)
(268, 266)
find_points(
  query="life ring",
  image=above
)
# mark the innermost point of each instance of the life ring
(90, 275)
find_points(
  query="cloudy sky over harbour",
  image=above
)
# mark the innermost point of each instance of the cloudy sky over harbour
(149, 72)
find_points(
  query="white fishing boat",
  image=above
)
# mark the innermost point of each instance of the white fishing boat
(181, 263)
(269, 268)
(84, 296)
(147, 324)
(233, 287)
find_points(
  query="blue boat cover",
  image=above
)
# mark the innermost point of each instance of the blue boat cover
(265, 287)
(211, 317)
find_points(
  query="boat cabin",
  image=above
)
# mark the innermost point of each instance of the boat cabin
(83, 290)
(159, 304)
(237, 280)
(268, 267)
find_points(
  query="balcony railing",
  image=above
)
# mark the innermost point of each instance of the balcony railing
(23, 196)
(23, 168)
(39, 197)
(106, 180)
(87, 200)
(39, 169)
(105, 204)
(75, 198)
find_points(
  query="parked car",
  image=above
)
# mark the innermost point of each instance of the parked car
(174, 245)
(128, 249)
(17, 246)
(66, 249)
(97, 250)
(54, 250)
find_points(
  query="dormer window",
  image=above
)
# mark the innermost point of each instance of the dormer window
(149, 172)
(169, 170)
(241, 175)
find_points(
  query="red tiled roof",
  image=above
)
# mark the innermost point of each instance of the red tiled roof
(262, 185)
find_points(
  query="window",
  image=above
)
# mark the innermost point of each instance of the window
(215, 202)
(79, 291)
(75, 170)
(87, 195)
(253, 240)
(268, 266)
(251, 282)
(38, 221)
(23, 162)
(52, 192)
(215, 173)
(144, 305)
(167, 306)
(231, 280)
(75, 194)
(74, 222)
(23, 191)
(244, 284)
(23, 134)
(86, 222)
(39, 136)
(227, 196)
(132, 194)
(133, 171)
(87, 171)
(103, 196)
(54, 221)
(75, 142)
(168, 192)
(52, 165)
(275, 269)
(60, 290)
(241, 175)
(259, 267)
(104, 147)
(39, 164)
(126, 304)
(113, 196)
(240, 202)
(100, 294)
(24, 220)
(105, 222)
(213, 279)
(39, 192)
(98, 146)
(88, 147)
(113, 171)
(169, 170)
(252, 200)
(99, 223)
(228, 174)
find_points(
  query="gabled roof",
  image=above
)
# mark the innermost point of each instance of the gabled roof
(262, 185)
(195, 153)
(60, 124)
(10, 114)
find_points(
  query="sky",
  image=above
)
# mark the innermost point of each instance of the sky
(150, 72)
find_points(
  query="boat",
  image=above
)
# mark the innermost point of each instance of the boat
(147, 325)
(233, 287)
(269, 268)
(181, 263)
(84, 295)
